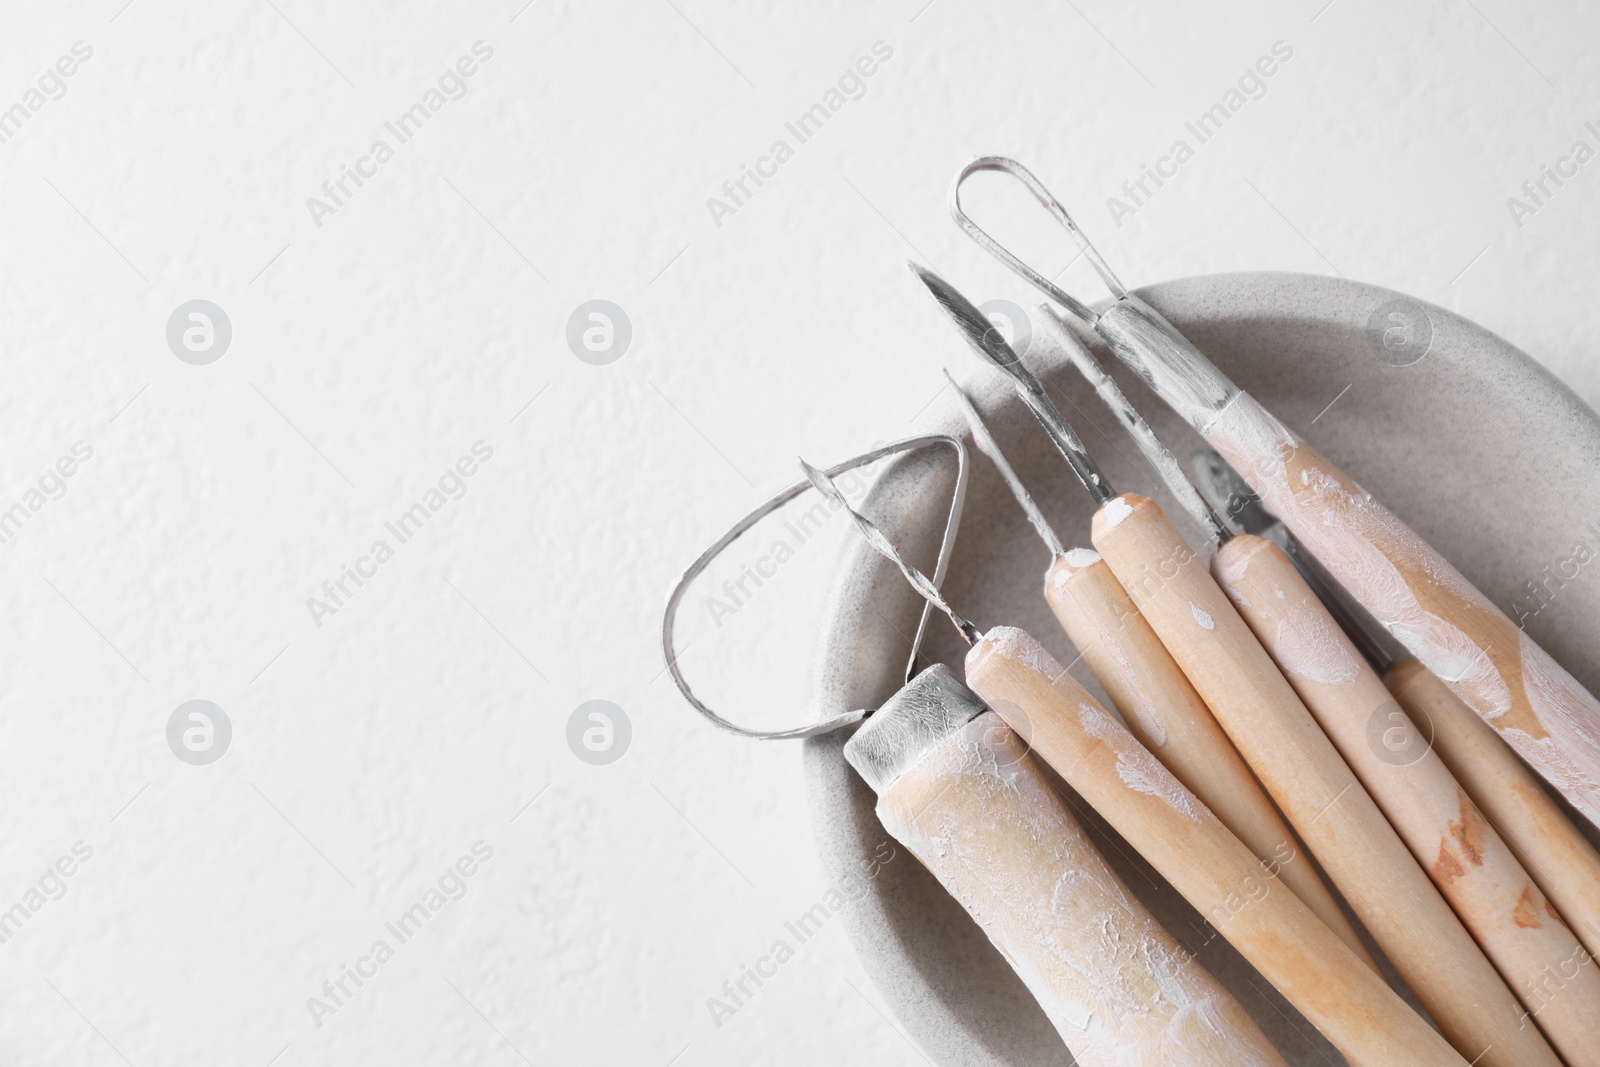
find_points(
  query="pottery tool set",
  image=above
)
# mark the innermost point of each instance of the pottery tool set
(1325, 711)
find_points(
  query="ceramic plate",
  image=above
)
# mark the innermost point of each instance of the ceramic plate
(1467, 439)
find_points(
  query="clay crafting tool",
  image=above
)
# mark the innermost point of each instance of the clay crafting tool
(1281, 741)
(1555, 852)
(1441, 618)
(1471, 864)
(680, 588)
(1155, 699)
(959, 789)
(1181, 838)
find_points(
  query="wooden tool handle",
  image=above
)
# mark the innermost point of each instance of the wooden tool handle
(1468, 861)
(1271, 927)
(1169, 718)
(1314, 787)
(1453, 629)
(979, 813)
(1551, 847)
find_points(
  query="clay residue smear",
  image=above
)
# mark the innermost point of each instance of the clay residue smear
(1140, 772)
(1447, 866)
(1079, 558)
(1202, 618)
(1526, 913)
(1140, 709)
(1252, 429)
(1234, 565)
(1468, 832)
(1014, 644)
(1310, 646)
(1116, 510)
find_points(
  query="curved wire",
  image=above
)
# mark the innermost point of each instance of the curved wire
(1005, 165)
(884, 547)
(738, 529)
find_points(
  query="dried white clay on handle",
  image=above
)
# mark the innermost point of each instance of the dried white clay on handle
(1079, 558)
(1119, 989)
(1310, 647)
(1137, 768)
(1201, 617)
(1235, 568)
(1272, 928)
(1545, 680)
(1016, 644)
(1447, 624)
(1116, 510)
(1139, 703)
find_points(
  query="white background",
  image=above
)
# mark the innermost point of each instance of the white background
(372, 351)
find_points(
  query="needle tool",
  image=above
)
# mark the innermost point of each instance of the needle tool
(1272, 928)
(1404, 583)
(1291, 755)
(1156, 700)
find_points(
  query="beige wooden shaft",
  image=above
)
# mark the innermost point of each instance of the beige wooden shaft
(980, 814)
(1454, 630)
(1551, 847)
(1216, 872)
(1169, 718)
(1535, 952)
(1314, 788)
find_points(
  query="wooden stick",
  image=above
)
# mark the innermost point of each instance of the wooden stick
(1551, 847)
(1169, 718)
(1453, 629)
(1314, 787)
(1271, 927)
(1535, 952)
(980, 814)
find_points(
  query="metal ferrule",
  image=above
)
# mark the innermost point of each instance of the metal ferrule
(912, 723)
(1165, 360)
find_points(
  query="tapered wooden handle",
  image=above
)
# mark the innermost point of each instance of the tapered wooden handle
(1454, 630)
(1472, 866)
(1553, 849)
(1314, 788)
(1270, 926)
(979, 813)
(1169, 718)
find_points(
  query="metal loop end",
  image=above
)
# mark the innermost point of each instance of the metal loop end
(681, 587)
(1006, 165)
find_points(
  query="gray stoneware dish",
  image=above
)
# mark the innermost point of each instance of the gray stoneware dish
(1470, 441)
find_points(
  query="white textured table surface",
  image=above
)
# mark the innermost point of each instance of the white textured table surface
(382, 732)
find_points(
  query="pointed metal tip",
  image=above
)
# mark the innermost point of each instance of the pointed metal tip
(980, 334)
(820, 481)
(991, 448)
